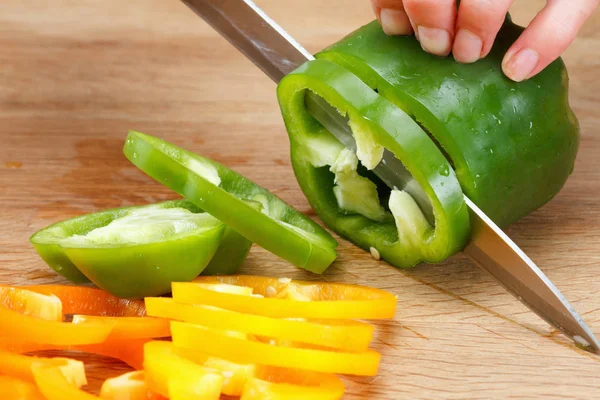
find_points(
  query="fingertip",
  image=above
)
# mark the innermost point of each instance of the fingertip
(520, 65)
(467, 46)
(394, 22)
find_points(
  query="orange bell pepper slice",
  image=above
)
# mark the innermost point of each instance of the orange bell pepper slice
(91, 301)
(129, 386)
(284, 298)
(27, 302)
(54, 384)
(176, 377)
(195, 341)
(339, 334)
(17, 389)
(131, 352)
(20, 366)
(287, 384)
(129, 327)
(18, 326)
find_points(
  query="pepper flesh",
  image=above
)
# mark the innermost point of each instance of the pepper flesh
(327, 300)
(287, 384)
(233, 199)
(195, 341)
(401, 236)
(18, 389)
(513, 145)
(156, 244)
(169, 372)
(343, 335)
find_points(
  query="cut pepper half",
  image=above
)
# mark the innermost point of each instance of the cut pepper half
(133, 252)
(284, 298)
(223, 193)
(343, 335)
(339, 185)
(195, 341)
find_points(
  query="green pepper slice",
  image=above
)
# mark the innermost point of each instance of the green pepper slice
(132, 252)
(348, 199)
(513, 145)
(232, 198)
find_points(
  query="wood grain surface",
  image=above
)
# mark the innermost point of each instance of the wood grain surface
(75, 75)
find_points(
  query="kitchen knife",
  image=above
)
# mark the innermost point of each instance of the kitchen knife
(276, 53)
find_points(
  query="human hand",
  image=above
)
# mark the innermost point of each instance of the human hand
(469, 32)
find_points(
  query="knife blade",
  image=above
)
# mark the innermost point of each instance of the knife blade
(276, 53)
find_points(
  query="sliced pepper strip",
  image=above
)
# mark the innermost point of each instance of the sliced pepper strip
(18, 389)
(172, 375)
(91, 301)
(225, 194)
(131, 352)
(129, 327)
(129, 386)
(54, 385)
(28, 302)
(286, 384)
(20, 366)
(325, 300)
(195, 341)
(344, 335)
(17, 326)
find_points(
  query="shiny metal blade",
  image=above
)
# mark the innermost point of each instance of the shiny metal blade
(258, 37)
(496, 253)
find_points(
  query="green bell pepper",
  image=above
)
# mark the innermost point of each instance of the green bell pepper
(252, 211)
(133, 252)
(387, 222)
(512, 145)
(456, 127)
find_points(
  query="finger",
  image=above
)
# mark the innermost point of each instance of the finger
(433, 22)
(477, 25)
(546, 37)
(392, 17)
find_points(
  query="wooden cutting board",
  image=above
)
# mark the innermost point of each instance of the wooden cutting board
(76, 75)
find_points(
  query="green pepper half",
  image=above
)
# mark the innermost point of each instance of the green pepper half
(513, 145)
(350, 200)
(133, 252)
(252, 211)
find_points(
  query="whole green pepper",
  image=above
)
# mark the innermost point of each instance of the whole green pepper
(133, 252)
(252, 211)
(513, 145)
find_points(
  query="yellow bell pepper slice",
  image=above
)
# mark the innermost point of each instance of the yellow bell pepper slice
(129, 327)
(17, 389)
(195, 341)
(284, 298)
(174, 376)
(23, 327)
(55, 384)
(272, 383)
(27, 302)
(19, 366)
(339, 334)
(129, 386)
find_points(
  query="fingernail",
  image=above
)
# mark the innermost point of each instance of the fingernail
(467, 46)
(520, 65)
(434, 41)
(394, 22)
